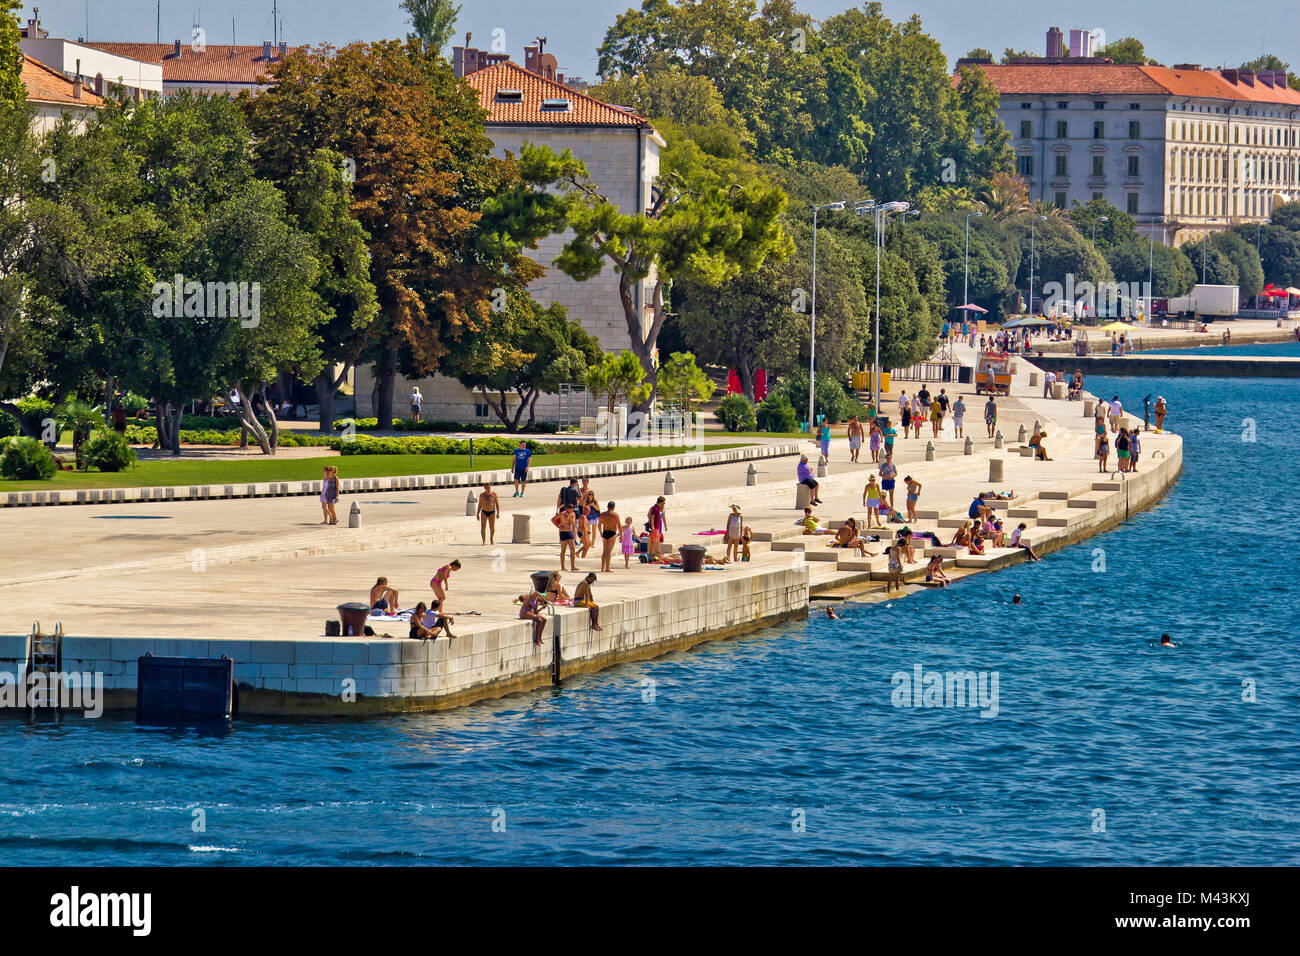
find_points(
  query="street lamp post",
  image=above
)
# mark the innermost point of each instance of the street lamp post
(1205, 245)
(1032, 226)
(812, 350)
(882, 214)
(1094, 229)
(1151, 258)
(965, 282)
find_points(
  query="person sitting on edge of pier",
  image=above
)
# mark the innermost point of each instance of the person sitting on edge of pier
(805, 477)
(934, 572)
(847, 536)
(962, 537)
(383, 599)
(1017, 543)
(1076, 385)
(530, 609)
(976, 545)
(582, 597)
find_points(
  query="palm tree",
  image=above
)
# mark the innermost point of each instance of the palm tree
(1005, 197)
(81, 418)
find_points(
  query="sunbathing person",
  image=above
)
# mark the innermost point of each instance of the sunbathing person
(383, 599)
(426, 623)
(976, 542)
(847, 537)
(904, 543)
(961, 538)
(812, 524)
(934, 572)
(531, 605)
(555, 592)
(582, 597)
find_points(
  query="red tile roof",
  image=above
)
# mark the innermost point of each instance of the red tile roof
(46, 85)
(584, 110)
(218, 63)
(1121, 79)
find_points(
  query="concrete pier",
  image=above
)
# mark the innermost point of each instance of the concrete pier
(1175, 366)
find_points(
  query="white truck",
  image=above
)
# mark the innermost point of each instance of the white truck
(1213, 301)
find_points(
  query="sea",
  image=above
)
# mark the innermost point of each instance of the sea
(1068, 735)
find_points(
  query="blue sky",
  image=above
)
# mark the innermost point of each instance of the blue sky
(1208, 32)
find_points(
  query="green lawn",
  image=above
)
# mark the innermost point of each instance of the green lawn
(193, 472)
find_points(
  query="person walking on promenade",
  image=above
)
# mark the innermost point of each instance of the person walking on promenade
(888, 473)
(567, 523)
(417, 400)
(991, 414)
(582, 597)
(658, 525)
(569, 496)
(530, 609)
(329, 494)
(871, 500)
(936, 417)
(1103, 451)
(627, 538)
(855, 435)
(734, 532)
(488, 506)
(523, 457)
(805, 477)
(888, 434)
(904, 403)
(824, 439)
(1134, 448)
(1116, 410)
(1121, 449)
(1161, 411)
(958, 413)
(1048, 381)
(907, 417)
(441, 578)
(609, 524)
(913, 496)
(874, 441)
(918, 414)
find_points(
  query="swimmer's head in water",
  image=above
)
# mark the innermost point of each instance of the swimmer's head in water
(1015, 599)
(1166, 641)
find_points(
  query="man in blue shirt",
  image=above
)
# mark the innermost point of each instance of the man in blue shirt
(523, 457)
(805, 473)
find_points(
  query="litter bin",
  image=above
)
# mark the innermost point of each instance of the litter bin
(352, 618)
(965, 375)
(692, 557)
(541, 580)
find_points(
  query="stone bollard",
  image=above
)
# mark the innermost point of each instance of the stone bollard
(1022, 436)
(995, 469)
(354, 516)
(751, 476)
(969, 448)
(471, 504)
(821, 466)
(997, 440)
(523, 529)
(669, 483)
(929, 451)
(802, 496)
(1089, 406)
(1033, 379)
(1038, 426)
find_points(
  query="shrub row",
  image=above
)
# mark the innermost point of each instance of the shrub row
(409, 425)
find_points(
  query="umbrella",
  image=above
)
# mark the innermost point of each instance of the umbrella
(970, 307)
(1116, 327)
(1293, 291)
(1027, 322)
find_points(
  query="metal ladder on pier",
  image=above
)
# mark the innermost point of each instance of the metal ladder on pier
(45, 656)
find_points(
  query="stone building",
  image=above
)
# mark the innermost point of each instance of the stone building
(621, 152)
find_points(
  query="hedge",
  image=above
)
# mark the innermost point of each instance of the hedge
(408, 425)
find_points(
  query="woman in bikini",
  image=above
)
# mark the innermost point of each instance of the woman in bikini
(531, 605)
(488, 506)
(329, 494)
(440, 579)
(593, 522)
(962, 537)
(555, 592)
(583, 530)
(913, 496)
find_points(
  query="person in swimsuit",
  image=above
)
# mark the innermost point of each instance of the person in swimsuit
(876, 438)
(418, 630)
(383, 598)
(555, 592)
(735, 528)
(855, 432)
(329, 494)
(530, 609)
(426, 623)
(913, 496)
(871, 499)
(593, 523)
(895, 569)
(1162, 410)
(440, 579)
(568, 525)
(962, 537)
(608, 522)
(934, 572)
(1103, 452)
(488, 506)
(583, 529)
(847, 537)
(627, 539)
(582, 597)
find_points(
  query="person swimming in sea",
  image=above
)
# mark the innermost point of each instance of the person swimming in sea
(830, 613)
(1167, 641)
(1015, 599)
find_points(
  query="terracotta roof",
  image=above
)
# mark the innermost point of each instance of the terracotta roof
(47, 85)
(584, 110)
(1031, 79)
(218, 63)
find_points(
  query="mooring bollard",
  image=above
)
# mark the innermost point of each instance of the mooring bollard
(997, 440)
(821, 466)
(523, 529)
(995, 469)
(1033, 379)
(669, 483)
(471, 504)
(354, 516)
(1088, 407)
(969, 447)
(751, 476)
(1022, 436)
(929, 451)
(1038, 426)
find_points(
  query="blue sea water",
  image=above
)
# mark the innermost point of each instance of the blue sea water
(717, 755)
(1276, 349)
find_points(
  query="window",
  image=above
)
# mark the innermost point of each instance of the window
(1135, 106)
(1133, 166)
(1025, 165)
(1134, 129)
(481, 410)
(1062, 105)
(1062, 129)
(1059, 201)
(1026, 129)
(1096, 196)
(1099, 104)
(1099, 166)
(1098, 130)
(1060, 165)
(1026, 106)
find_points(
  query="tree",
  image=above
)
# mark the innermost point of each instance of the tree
(525, 350)
(1287, 215)
(672, 93)
(979, 53)
(1172, 272)
(1279, 251)
(988, 281)
(1060, 252)
(1005, 196)
(710, 220)
(1119, 227)
(1008, 54)
(618, 378)
(1126, 50)
(683, 383)
(1250, 275)
(20, 168)
(433, 21)
(13, 94)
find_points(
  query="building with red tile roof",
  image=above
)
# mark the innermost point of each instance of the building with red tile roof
(53, 94)
(205, 68)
